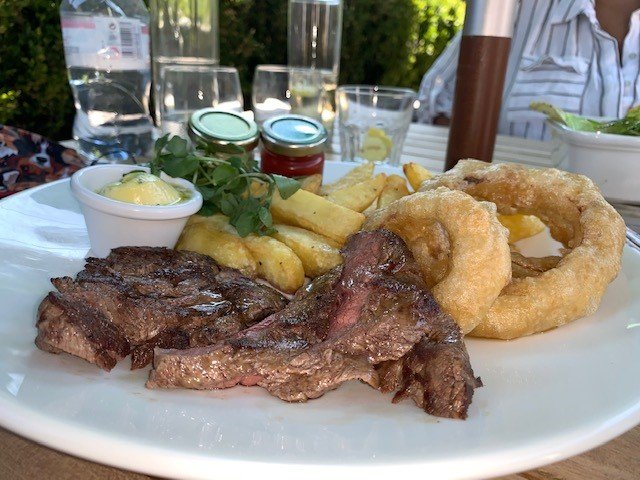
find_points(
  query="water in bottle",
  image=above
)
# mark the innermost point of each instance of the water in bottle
(106, 45)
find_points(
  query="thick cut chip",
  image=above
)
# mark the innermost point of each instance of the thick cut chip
(213, 236)
(317, 253)
(394, 188)
(315, 213)
(312, 183)
(521, 226)
(359, 196)
(357, 175)
(277, 263)
(416, 174)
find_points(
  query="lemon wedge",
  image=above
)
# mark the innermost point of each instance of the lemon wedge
(376, 145)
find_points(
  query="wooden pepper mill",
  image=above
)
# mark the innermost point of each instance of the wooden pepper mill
(484, 52)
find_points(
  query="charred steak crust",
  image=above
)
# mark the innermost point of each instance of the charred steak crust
(144, 297)
(80, 330)
(437, 376)
(371, 319)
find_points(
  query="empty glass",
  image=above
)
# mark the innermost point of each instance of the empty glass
(189, 88)
(314, 39)
(314, 34)
(278, 89)
(183, 33)
(373, 122)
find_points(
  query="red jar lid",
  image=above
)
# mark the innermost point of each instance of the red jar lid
(293, 136)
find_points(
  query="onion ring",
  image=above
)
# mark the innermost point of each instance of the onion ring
(522, 266)
(577, 215)
(445, 227)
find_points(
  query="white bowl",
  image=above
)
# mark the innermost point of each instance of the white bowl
(611, 161)
(112, 223)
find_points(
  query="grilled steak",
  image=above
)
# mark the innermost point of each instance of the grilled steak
(140, 297)
(436, 374)
(371, 319)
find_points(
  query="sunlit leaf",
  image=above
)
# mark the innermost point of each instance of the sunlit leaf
(286, 186)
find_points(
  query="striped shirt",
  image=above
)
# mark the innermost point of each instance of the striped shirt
(560, 55)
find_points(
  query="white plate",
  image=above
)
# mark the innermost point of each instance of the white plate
(545, 398)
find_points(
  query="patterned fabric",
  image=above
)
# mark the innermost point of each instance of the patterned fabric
(28, 159)
(559, 54)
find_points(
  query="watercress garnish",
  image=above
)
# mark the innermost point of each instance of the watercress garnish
(232, 185)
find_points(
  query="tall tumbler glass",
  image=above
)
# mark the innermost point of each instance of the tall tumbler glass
(314, 39)
(186, 89)
(183, 33)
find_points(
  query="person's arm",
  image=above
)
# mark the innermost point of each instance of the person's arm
(437, 86)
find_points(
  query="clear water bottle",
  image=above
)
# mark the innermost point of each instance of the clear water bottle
(184, 36)
(106, 47)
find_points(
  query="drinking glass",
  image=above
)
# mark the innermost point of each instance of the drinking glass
(182, 33)
(278, 89)
(314, 39)
(314, 34)
(373, 122)
(186, 89)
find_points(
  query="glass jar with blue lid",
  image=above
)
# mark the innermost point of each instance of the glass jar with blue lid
(223, 131)
(293, 146)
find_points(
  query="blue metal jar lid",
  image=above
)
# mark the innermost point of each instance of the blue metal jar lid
(294, 135)
(222, 129)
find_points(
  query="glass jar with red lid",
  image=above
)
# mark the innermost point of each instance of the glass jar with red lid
(293, 146)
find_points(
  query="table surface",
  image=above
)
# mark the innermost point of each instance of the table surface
(21, 459)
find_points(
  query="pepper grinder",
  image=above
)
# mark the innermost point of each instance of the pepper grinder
(484, 52)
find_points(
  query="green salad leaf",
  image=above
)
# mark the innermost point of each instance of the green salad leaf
(232, 185)
(629, 125)
(574, 122)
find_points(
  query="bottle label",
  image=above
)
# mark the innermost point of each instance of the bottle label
(105, 43)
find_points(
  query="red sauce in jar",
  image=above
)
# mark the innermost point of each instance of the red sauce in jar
(293, 146)
(291, 166)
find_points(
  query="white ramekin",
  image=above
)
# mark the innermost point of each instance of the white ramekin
(611, 161)
(112, 223)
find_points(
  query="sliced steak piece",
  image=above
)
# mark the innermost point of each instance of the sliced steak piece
(79, 329)
(373, 310)
(153, 297)
(262, 354)
(436, 374)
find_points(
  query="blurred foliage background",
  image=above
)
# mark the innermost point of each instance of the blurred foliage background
(386, 42)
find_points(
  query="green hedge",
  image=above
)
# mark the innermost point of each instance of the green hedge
(390, 42)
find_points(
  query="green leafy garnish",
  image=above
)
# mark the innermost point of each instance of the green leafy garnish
(232, 185)
(629, 125)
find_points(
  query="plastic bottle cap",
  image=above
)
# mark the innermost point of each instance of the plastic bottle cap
(222, 129)
(294, 135)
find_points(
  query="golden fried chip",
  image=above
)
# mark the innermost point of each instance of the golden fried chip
(359, 196)
(358, 174)
(276, 262)
(521, 226)
(317, 253)
(394, 188)
(416, 174)
(213, 236)
(315, 213)
(312, 183)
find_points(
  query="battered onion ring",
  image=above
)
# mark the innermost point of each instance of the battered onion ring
(577, 215)
(473, 245)
(522, 266)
